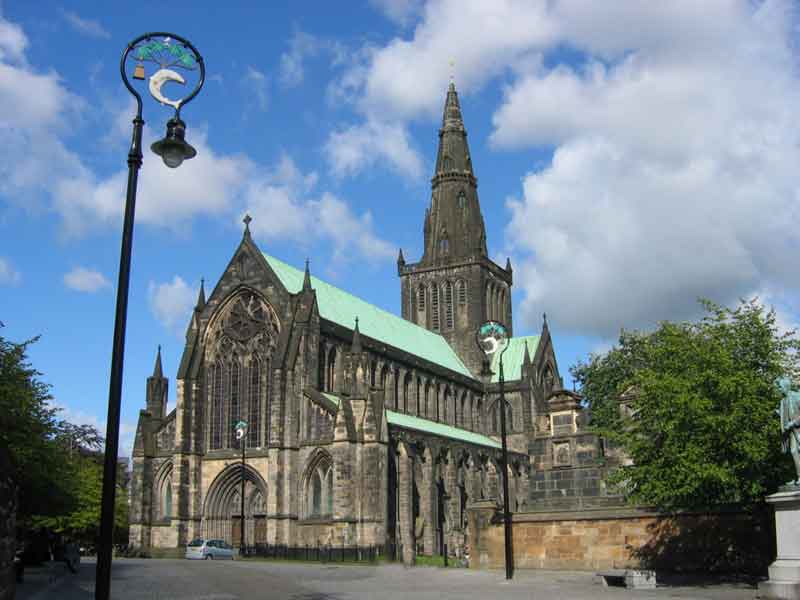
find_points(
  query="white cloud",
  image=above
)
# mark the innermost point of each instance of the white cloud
(36, 108)
(284, 206)
(208, 184)
(255, 83)
(360, 146)
(301, 46)
(13, 42)
(88, 27)
(8, 274)
(674, 131)
(401, 12)
(82, 279)
(675, 167)
(407, 78)
(172, 303)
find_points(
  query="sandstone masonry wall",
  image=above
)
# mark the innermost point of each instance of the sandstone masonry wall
(628, 538)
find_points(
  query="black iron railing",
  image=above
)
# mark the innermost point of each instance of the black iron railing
(325, 552)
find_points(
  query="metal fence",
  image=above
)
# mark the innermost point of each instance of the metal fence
(324, 553)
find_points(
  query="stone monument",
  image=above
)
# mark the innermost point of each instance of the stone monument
(784, 573)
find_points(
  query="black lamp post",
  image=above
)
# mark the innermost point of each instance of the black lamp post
(241, 435)
(492, 337)
(166, 50)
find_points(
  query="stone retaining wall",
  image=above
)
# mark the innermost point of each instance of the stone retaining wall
(727, 541)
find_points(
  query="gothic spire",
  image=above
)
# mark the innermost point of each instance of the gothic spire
(158, 372)
(545, 328)
(453, 152)
(307, 279)
(355, 346)
(400, 258)
(201, 297)
(526, 360)
(453, 224)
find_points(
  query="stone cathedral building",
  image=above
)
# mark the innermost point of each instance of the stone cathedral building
(365, 427)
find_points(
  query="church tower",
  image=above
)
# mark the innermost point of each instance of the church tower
(455, 286)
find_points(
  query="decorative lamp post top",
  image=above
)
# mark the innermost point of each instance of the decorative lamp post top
(170, 53)
(491, 337)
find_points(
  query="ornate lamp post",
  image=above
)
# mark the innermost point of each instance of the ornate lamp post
(492, 337)
(169, 52)
(241, 435)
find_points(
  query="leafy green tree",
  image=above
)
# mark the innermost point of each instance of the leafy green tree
(28, 427)
(700, 424)
(56, 465)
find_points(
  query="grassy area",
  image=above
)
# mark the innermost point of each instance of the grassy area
(422, 560)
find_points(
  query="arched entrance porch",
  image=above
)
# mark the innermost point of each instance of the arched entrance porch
(222, 518)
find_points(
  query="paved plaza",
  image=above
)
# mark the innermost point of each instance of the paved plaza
(139, 579)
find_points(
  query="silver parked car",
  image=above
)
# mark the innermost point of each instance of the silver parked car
(209, 549)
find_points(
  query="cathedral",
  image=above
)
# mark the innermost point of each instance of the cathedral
(363, 427)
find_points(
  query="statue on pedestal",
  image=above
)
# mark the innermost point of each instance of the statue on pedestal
(789, 413)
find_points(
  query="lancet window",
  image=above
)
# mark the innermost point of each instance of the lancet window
(319, 487)
(462, 292)
(448, 303)
(495, 418)
(435, 307)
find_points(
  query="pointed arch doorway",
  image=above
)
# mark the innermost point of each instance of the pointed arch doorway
(222, 518)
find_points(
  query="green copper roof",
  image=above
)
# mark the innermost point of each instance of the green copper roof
(513, 357)
(333, 398)
(340, 307)
(440, 429)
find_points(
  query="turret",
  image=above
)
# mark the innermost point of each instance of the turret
(157, 386)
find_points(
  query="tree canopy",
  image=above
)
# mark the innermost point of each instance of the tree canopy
(56, 465)
(700, 397)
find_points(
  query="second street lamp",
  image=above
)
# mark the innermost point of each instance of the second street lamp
(169, 52)
(492, 338)
(241, 435)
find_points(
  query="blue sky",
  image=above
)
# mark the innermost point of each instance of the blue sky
(630, 158)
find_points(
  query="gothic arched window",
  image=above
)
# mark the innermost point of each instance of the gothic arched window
(462, 199)
(239, 343)
(428, 409)
(329, 380)
(496, 416)
(384, 376)
(448, 304)
(319, 487)
(489, 312)
(462, 292)
(216, 407)
(435, 307)
(167, 513)
(233, 386)
(407, 383)
(254, 417)
(421, 298)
